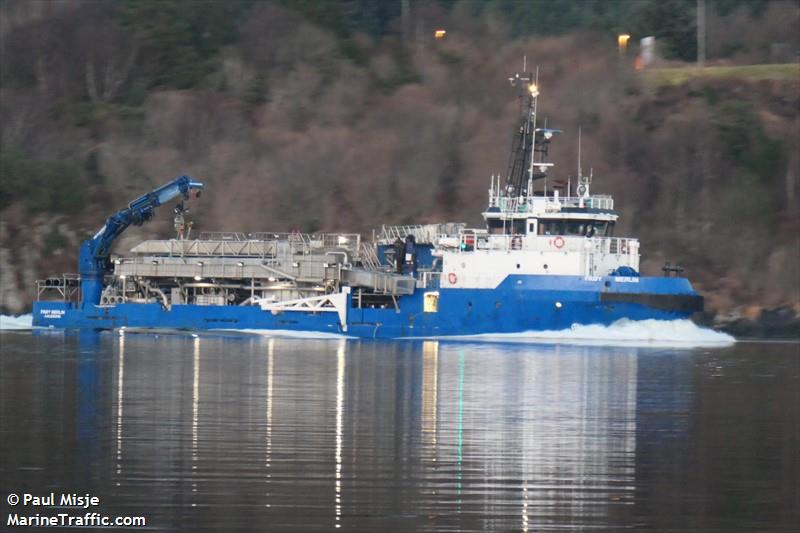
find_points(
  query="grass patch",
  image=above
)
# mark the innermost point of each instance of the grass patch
(681, 75)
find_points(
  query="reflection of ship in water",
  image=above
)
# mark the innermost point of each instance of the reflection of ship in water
(243, 433)
(561, 443)
(428, 435)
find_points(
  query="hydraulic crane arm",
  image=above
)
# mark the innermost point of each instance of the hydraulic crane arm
(93, 261)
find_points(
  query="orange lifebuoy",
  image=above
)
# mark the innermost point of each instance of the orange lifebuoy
(452, 278)
(558, 242)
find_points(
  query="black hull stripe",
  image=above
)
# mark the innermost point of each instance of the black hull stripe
(684, 303)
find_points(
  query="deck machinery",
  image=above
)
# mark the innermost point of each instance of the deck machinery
(274, 271)
(244, 269)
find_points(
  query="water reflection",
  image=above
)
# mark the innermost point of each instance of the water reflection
(270, 371)
(237, 433)
(89, 399)
(497, 432)
(120, 400)
(340, 351)
(551, 433)
(195, 410)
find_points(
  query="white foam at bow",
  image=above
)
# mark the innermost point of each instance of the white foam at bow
(16, 322)
(622, 332)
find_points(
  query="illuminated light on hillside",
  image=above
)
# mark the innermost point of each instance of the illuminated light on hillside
(622, 41)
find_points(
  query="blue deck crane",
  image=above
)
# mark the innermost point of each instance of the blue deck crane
(93, 259)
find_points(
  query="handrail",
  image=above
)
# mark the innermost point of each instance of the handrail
(428, 233)
(66, 285)
(528, 204)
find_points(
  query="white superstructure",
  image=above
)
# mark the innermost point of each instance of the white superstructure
(538, 232)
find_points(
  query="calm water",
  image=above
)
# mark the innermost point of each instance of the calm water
(233, 433)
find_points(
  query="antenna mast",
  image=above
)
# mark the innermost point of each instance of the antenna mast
(524, 168)
(580, 173)
(534, 95)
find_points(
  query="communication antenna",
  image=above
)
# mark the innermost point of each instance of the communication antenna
(580, 174)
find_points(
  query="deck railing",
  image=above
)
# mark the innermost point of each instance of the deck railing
(264, 245)
(429, 279)
(66, 286)
(530, 204)
(423, 233)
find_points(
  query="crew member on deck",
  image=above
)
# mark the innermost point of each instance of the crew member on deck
(399, 251)
(410, 258)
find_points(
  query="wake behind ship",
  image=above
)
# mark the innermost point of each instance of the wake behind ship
(547, 259)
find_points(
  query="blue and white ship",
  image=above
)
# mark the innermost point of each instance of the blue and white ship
(547, 259)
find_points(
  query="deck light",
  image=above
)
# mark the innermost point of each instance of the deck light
(440, 34)
(197, 278)
(534, 90)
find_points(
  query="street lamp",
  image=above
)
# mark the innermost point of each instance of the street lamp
(622, 42)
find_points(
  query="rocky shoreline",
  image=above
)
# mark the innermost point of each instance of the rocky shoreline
(781, 323)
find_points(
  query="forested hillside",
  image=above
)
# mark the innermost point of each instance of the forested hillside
(323, 116)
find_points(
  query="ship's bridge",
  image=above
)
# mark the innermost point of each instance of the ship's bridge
(539, 204)
(539, 235)
(585, 216)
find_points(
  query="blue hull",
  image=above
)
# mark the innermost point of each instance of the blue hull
(520, 303)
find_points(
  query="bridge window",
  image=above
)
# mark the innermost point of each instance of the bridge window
(580, 228)
(506, 227)
(496, 227)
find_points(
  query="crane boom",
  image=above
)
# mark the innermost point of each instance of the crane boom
(93, 259)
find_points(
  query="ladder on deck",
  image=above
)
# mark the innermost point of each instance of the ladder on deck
(400, 232)
(369, 258)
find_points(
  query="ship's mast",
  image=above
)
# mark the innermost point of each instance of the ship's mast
(534, 91)
(523, 167)
(580, 170)
(522, 149)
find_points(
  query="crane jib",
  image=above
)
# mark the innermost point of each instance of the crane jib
(94, 252)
